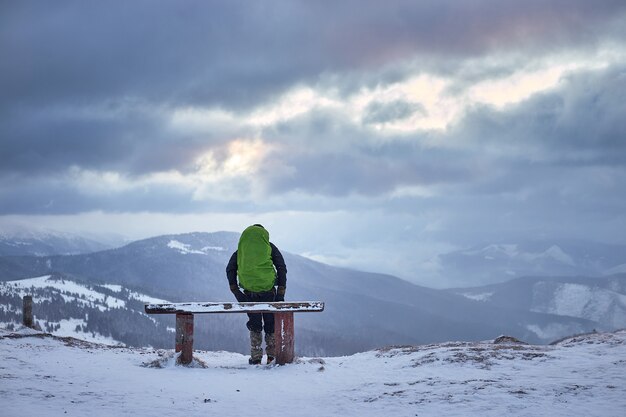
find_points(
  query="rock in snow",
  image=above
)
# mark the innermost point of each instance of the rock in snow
(578, 376)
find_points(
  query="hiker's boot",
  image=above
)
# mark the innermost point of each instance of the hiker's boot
(270, 347)
(256, 351)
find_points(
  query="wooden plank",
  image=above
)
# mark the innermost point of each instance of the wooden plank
(214, 307)
(284, 337)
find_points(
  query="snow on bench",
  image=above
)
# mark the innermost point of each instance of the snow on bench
(199, 308)
(283, 315)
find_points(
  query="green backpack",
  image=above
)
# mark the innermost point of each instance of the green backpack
(254, 260)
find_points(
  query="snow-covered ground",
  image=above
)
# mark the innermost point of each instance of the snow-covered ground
(581, 376)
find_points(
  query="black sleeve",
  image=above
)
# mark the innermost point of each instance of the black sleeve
(231, 269)
(279, 264)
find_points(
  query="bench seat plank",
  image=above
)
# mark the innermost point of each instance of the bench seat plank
(211, 307)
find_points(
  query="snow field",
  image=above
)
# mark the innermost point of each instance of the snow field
(583, 376)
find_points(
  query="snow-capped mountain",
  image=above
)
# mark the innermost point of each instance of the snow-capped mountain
(599, 300)
(579, 376)
(363, 310)
(23, 241)
(494, 263)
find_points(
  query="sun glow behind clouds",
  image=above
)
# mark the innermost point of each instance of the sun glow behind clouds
(244, 156)
(435, 105)
(521, 85)
(230, 173)
(231, 169)
(225, 173)
(430, 102)
(425, 91)
(294, 103)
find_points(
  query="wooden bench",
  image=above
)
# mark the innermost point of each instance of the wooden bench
(283, 315)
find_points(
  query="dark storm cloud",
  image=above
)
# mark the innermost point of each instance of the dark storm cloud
(343, 174)
(550, 136)
(54, 197)
(551, 166)
(527, 154)
(580, 123)
(126, 139)
(88, 83)
(347, 159)
(235, 52)
(37, 142)
(183, 53)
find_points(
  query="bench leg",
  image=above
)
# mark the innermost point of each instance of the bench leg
(284, 337)
(184, 337)
(27, 307)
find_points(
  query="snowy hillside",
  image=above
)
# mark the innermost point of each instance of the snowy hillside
(580, 376)
(601, 301)
(363, 310)
(86, 311)
(583, 301)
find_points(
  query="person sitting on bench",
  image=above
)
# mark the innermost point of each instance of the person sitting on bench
(260, 267)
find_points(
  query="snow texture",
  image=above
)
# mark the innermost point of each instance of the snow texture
(583, 301)
(71, 291)
(293, 306)
(579, 376)
(483, 296)
(113, 287)
(185, 249)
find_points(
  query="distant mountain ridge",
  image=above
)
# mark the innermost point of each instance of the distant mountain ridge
(21, 241)
(363, 310)
(601, 300)
(493, 263)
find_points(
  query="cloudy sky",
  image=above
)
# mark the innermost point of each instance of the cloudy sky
(361, 133)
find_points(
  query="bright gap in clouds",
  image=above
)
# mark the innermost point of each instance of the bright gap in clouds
(229, 173)
(437, 104)
(522, 85)
(231, 170)
(225, 174)
(244, 156)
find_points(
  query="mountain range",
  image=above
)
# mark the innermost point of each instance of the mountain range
(28, 241)
(499, 262)
(363, 310)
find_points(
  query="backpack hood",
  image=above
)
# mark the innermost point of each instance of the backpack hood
(254, 260)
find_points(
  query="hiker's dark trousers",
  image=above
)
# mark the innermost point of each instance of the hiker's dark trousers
(260, 321)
